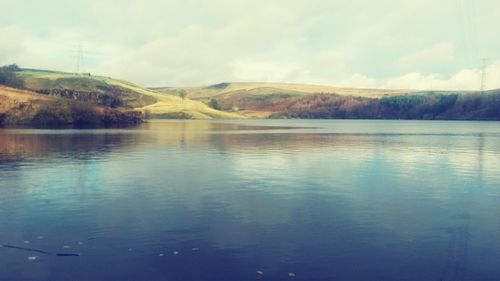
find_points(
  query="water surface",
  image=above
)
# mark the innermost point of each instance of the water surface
(253, 200)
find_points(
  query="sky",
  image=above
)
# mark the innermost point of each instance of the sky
(411, 44)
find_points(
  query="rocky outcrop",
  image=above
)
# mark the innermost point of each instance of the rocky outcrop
(25, 107)
(111, 99)
(118, 117)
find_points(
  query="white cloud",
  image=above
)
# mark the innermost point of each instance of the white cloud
(251, 70)
(360, 81)
(465, 79)
(175, 60)
(12, 44)
(191, 42)
(440, 53)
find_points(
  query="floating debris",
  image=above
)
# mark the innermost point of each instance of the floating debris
(260, 272)
(160, 255)
(39, 251)
(80, 243)
(66, 247)
(175, 252)
(32, 258)
(26, 242)
(26, 249)
(67, 255)
(291, 274)
(195, 249)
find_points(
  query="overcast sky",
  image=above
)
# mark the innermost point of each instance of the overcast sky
(419, 44)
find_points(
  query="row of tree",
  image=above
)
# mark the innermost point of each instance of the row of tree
(9, 78)
(473, 106)
(66, 112)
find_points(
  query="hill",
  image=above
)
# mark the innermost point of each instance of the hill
(27, 107)
(116, 93)
(267, 88)
(56, 98)
(19, 104)
(278, 100)
(415, 106)
(62, 97)
(262, 100)
(98, 99)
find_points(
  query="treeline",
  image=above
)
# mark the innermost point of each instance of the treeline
(9, 78)
(426, 106)
(71, 113)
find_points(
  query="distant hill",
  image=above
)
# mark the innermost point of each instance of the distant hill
(260, 100)
(279, 100)
(223, 89)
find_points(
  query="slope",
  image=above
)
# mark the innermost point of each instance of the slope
(119, 94)
(263, 99)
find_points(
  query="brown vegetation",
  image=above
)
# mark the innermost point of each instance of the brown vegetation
(428, 106)
(24, 107)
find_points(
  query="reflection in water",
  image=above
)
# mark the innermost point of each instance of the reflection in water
(326, 200)
(17, 145)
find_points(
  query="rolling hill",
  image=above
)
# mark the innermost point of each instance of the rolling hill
(29, 96)
(66, 97)
(266, 88)
(261, 100)
(278, 100)
(118, 94)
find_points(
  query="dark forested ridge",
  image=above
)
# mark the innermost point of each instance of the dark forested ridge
(422, 106)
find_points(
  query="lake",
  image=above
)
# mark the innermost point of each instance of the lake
(252, 200)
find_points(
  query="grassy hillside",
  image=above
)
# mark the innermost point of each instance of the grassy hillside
(227, 100)
(263, 99)
(118, 94)
(275, 100)
(19, 106)
(266, 88)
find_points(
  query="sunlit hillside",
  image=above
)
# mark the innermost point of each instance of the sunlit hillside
(263, 99)
(131, 96)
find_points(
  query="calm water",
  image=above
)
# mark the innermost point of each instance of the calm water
(252, 200)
